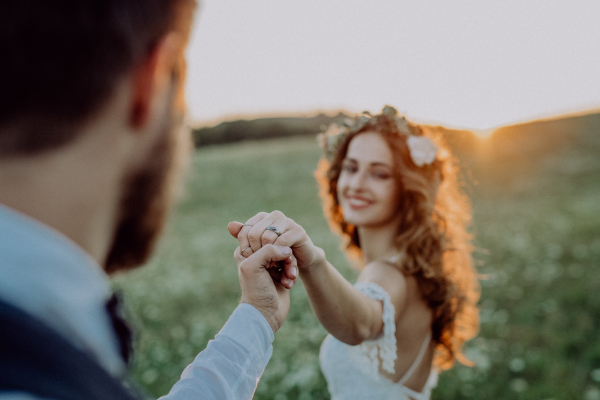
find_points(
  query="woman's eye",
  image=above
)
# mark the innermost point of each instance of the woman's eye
(349, 168)
(381, 175)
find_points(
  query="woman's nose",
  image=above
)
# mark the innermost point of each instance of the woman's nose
(358, 180)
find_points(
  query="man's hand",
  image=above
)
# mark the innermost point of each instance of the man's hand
(259, 289)
(285, 273)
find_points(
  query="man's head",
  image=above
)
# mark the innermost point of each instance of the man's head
(61, 60)
(63, 63)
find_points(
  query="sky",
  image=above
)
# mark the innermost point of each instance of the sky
(472, 64)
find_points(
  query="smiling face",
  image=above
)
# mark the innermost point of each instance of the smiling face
(366, 189)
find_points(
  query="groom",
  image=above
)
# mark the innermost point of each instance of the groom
(91, 149)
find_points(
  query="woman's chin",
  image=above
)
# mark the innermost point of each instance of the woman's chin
(366, 221)
(357, 221)
(363, 217)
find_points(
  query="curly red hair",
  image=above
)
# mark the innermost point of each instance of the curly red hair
(433, 241)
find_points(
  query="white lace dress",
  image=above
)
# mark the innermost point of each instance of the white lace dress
(352, 372)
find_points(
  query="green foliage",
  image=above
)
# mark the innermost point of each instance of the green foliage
(537, 228)
(261, 129)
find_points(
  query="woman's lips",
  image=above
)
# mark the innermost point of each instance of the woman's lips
(358, 203)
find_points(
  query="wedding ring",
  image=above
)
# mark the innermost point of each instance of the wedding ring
(272, 228)
(242, 251)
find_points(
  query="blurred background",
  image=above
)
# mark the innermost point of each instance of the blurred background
(515, 89)
(460, 63)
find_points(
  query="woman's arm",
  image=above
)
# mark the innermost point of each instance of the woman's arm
(347, 314)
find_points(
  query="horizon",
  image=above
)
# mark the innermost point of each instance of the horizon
(483, 133)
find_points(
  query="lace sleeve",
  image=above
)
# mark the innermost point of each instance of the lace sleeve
(385, 345)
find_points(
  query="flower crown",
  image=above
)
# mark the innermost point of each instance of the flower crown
(422, 150)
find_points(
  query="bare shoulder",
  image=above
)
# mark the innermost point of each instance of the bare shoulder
(389, 277)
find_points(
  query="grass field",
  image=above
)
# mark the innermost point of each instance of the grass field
(537, 228)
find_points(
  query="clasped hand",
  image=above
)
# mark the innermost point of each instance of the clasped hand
(272, 248)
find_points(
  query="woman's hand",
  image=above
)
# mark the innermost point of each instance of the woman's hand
(275, 228)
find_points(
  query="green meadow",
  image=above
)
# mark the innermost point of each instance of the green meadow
(537, 232)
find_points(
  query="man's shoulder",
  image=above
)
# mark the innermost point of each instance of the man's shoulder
(41, 361)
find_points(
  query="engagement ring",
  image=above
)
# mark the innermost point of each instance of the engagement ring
(272, 228)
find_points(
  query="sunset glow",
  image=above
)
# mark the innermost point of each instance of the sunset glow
(464, 63)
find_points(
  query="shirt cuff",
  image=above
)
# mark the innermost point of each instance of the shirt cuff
(248, 327)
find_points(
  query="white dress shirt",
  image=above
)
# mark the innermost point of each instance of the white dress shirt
(47, 275)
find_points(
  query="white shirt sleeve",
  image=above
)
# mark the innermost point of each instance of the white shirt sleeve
(230, 366)
(232, 363)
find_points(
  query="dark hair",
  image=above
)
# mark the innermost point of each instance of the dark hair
(60, 61)
(433, 241)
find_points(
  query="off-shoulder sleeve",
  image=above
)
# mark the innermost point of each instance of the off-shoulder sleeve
(384, 347)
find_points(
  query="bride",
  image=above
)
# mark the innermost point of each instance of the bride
(391, 192)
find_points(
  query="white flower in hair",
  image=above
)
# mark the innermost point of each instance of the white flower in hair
(422, 150)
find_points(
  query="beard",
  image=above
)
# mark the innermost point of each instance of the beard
(148, 194)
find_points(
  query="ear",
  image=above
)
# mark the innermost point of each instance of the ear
(152, 76)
